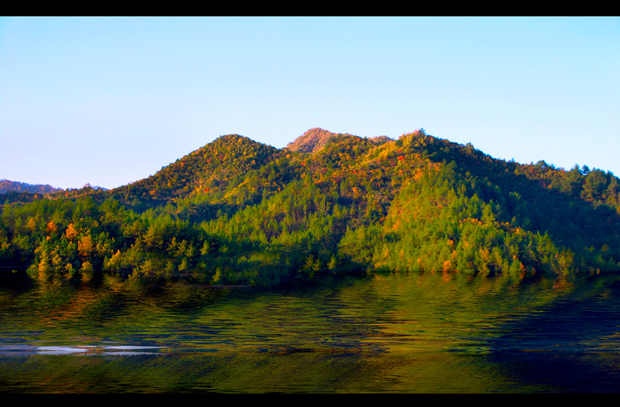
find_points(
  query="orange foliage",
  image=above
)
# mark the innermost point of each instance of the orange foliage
(51, 227)
(71, 232)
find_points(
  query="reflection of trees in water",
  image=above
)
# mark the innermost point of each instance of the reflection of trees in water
(394, 333)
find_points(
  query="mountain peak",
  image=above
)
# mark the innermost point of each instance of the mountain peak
(311, 141)
(316, 138)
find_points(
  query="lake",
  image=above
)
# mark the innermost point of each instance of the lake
(418, 333)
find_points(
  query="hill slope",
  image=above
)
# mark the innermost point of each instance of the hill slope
(209, 169)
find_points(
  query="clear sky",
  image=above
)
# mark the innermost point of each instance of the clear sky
(109, 101)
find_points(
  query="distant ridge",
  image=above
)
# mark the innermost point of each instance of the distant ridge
(7, 186)
(316, 138)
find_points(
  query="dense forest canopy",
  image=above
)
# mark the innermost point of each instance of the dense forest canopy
(240, 212)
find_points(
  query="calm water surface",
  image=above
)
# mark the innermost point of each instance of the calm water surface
(382, 334)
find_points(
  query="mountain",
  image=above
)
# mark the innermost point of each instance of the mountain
(241, 212)
(6, 186)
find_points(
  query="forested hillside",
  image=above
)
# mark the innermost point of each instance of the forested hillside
(240, 212)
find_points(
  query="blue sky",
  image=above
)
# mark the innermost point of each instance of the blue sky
(109, 101)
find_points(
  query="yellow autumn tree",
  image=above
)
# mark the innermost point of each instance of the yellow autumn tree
(85, 246)
(32, 224)
(71, 232)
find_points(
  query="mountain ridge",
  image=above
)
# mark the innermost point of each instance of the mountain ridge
(240, 211)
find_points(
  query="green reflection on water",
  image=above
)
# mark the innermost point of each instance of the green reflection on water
(429, 333)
